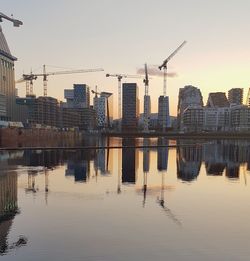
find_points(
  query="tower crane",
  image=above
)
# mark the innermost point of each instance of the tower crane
(28, 78)
(164, 67)
(15, 22)
(119, 78)
(146, 101)
(106, 95)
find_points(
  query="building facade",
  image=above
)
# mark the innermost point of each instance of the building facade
(240, 118)
(78, 97)
(7, 78)
(103, 106)
(163, 112)
(3, 108)
(216, 119)
(193, 119)
(235, 96)
(188, 96)
(130, 106)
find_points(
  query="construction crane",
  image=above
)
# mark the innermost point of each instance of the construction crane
(106, 95)
(15, 22)
(119, 78)
(146, 101)
(164, 66)
(29, 78)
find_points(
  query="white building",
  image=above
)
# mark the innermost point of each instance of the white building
(240, 118)
(217, 119)
(188, 96)
(103, 106)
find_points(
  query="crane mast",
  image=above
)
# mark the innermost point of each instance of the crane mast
(164, 66)
(146, 101)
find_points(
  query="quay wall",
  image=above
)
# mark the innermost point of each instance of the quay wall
(38, 138)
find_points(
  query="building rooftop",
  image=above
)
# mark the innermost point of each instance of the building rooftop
(217, 99)
(4, 48)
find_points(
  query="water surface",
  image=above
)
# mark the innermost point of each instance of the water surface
(185, 203)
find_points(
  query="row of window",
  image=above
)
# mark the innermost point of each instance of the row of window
(7, 64)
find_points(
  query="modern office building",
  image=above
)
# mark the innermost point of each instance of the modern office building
(163, 112)
(7, 78)
(130, 106)
(78, 97)
(188, 96)
(103, 106)
(235, 96)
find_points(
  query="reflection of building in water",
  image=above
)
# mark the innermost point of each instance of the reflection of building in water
(8, 193)
(146, 155)
(162, 154)
(78, 164)
(78, 169)
(45, 158)
(104, 157)
(225, 155)
(8, 206)
(188, 162)
(233, 170)
(129, 161)
(214, 157)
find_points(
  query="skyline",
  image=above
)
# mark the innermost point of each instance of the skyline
(218, 45)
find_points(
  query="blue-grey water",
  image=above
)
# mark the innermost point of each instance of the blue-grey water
(190, 202)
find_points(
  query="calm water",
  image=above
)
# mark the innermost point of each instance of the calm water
(186, 203)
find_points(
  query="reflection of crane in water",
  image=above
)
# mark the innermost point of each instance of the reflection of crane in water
(31, 188)
(162, 164)
(31, 182)
(146, 161)
(161, 202)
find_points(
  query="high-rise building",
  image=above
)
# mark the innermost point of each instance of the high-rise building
(78, 97)
(188, 96)
(130, 106)
(163, 112)
(103, 106)
(235, 96)
(7, 77)
(147, 112)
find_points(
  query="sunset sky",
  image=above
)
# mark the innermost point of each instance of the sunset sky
(120, 36)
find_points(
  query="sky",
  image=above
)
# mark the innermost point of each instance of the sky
(120, 36)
